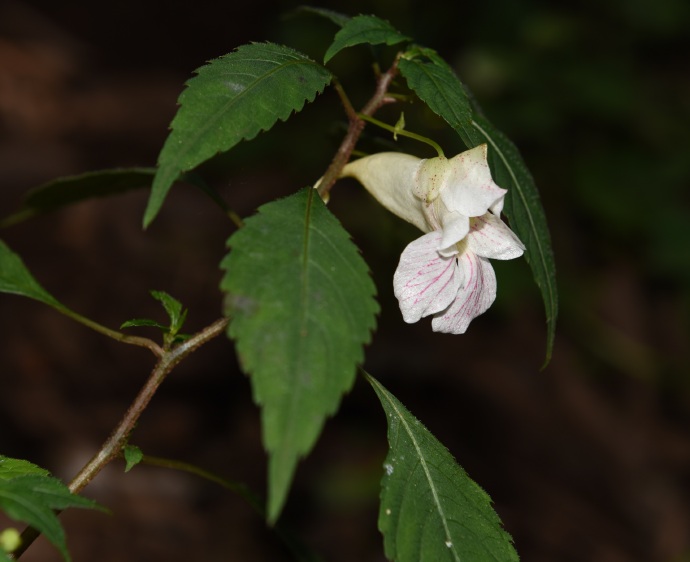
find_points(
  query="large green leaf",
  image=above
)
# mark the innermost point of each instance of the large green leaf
(364, 29)
(301, 307)
(231, 99)
(438, 86)
(16, 278)
(72, 189)
(523, 208)
(430, 508)
(28, 494)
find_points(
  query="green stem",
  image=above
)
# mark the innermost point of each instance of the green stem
(404, 133)
(299, 550)
(117, 336)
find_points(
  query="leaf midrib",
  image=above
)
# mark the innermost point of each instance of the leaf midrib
(424, 466)
(202, 131)
(533, 227)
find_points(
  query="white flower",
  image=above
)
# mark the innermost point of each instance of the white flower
(445, 273)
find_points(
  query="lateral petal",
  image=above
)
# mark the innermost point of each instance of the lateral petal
(472, 299)
(490, 237)
(425, 282)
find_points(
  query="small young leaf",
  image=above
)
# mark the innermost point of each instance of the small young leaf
(16, 278)
(428, 503)
(72, 189)
(133, 456)
(436, 84)
(28, 494)
(364, 29)
(301, 307)
(144, 323)
(174, 309)
(232, 99)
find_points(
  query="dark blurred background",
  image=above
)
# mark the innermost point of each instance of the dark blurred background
(586, 460)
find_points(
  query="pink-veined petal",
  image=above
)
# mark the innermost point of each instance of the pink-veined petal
(425, 282)
(490, 237)
(469, 188)
(472, 299)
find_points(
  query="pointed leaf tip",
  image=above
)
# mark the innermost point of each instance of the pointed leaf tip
(232, 99)
(428, 502)
(302, 306)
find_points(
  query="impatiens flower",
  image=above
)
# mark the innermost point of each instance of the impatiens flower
(446, 272)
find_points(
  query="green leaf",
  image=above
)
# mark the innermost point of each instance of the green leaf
(133, 456)
(144, 323)
(232, 99)
(524, 209)
(437, 85)
(11, 468)
(16, 278)
(430, 508)
(73, 189)
(364, 29)
(302, 306)
(28, 494)
(174, 309)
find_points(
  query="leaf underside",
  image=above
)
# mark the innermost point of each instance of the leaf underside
(301, 306)
(73, 189)
(438, 86)
(364, 29)
(430, 507)
(232, 99)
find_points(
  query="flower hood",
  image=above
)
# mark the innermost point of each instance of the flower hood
(434, 193)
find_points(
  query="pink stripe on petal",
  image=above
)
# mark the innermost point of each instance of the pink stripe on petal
(425, 282)
(490, 237)
(474, 298)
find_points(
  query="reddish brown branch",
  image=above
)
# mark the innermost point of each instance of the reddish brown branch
(356, 126)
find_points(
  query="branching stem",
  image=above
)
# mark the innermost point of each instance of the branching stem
(118, 438)
(156, 349)
(356, 125)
